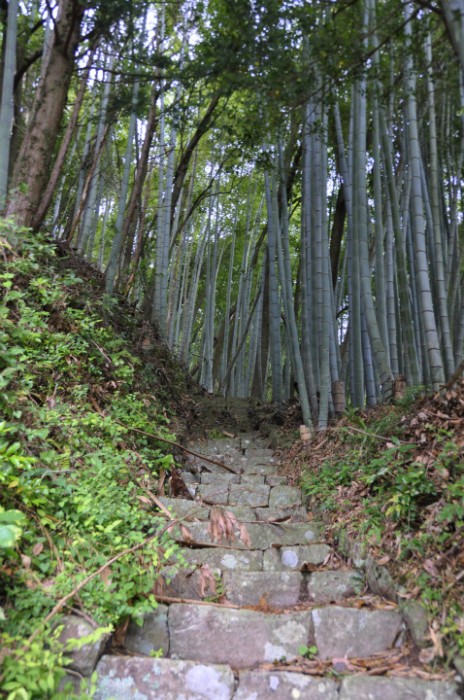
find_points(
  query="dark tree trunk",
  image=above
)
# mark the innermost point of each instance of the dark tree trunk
(32, 167)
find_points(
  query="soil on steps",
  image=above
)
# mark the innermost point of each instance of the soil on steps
(213, 415)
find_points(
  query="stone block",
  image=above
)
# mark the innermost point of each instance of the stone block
(217, 493)
(281, 589)
(292, 514)
(84, 659)
(284, 497)
(253, 495)
(200, 533)
(340, 632)
(285, 558)
(193, 584)
(333, 586)
(226, 559)
(276, 480)
(241, 638)
(261, 685)
(250, 466)
(296, 533)
(219, 479)
(380, 580)
(252, 479)
(243, 513)
(416, 619)
(184, 509)
(381, 688)
(124, 677)
(152, 635)
(260, 455)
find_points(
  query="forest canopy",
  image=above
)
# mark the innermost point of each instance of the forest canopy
(277, 185)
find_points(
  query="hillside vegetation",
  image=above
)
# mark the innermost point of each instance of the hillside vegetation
(391, 479)
(77, 528)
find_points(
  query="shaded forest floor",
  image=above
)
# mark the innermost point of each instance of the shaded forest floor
(91, 404)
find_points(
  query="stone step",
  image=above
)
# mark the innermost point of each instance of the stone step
(276, 480)
(196, 510)
(241, 638)
(253, 479)
(245, 514)
(198, 465)
(215, 493)
(152, 635)
(380, 688)
(281, 685)
(259, 454)
(211, 651)
(253, 495)
(252, 440)
(253, 535)
(198, 583)
(284, 497)
(187, 510)
(244, 637)
(224, 559)
(343, 632)
(283, 589)
(219, 479)
(257, 466)
(123, 677)
(220, 446)
(294, 514)
(249, 490)
(295, 558)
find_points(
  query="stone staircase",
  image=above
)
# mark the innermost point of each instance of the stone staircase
(258, 613)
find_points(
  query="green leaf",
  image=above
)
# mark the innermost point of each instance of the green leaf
(13, 516)
(9, 535)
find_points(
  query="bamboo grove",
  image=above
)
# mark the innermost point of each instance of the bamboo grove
(277, 185)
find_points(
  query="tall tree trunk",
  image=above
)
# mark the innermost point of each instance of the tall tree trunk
(139, 180)
(182, 167)
(417, 218)
(110, 274)
(63, 150)
(274, 296)
(7, 99)
(32, 166)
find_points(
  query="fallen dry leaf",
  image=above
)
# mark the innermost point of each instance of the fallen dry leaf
(223, 525)
(429, 567)
(105, 576)
(186, 535)
(27, 561)
(37, 549)
(426, 656)
(207, 582)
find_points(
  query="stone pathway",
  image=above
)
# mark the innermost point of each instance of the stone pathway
(257, 592)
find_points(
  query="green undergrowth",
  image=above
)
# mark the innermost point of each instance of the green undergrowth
(394, 478)
(74, 507)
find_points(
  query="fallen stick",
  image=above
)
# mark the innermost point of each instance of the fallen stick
(179, 447)
(349, 428)
(189, 601)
